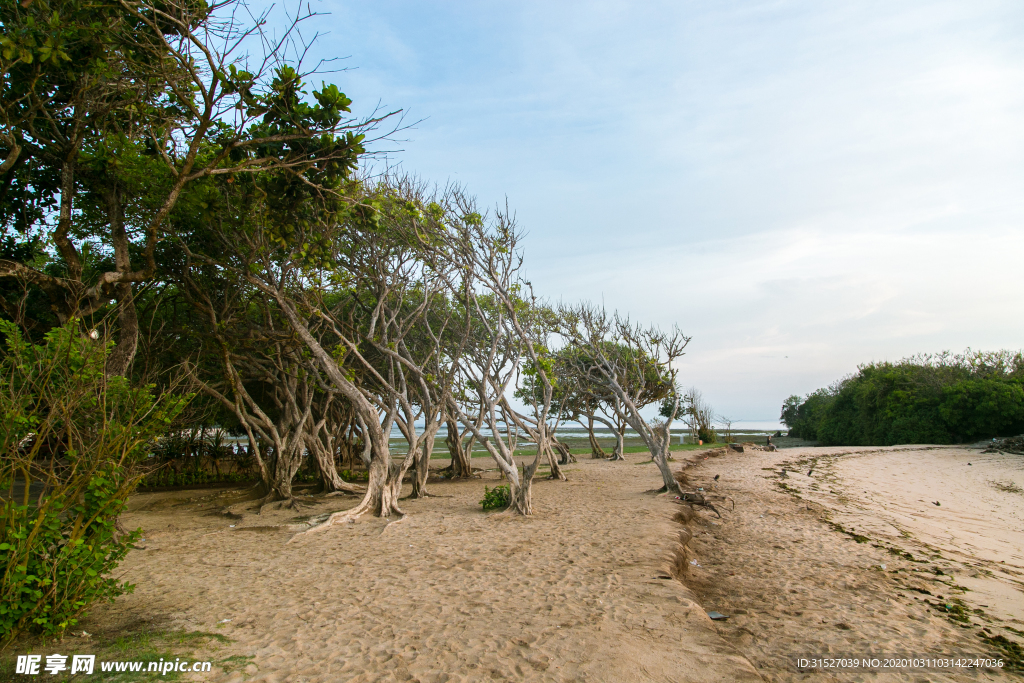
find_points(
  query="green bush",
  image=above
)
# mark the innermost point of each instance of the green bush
(707, 435)
(925, 399)
(168, 477)
(498, 497)
(355, 475)
(72, 441)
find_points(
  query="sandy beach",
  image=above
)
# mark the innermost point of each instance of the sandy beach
(856, 558)
(588, 588)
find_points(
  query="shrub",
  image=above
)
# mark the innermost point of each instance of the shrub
(707, 435)
(924, 399)
(72, 441)
(355, 475)
(498, 497)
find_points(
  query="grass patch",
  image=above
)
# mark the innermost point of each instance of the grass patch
(235, 662)
(497, 498)
(1013, 654)
(855, 536)
(954, 610)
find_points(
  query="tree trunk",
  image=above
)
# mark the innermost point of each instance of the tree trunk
(556, 471)
(522, 493)
(462, 466)
(286, 463)
(565, 454)
(658, 442)
(619, 430)
(330, 480)
(620, 443)
(121, 357)
(661, 459)
(385, 491)
(384, 487)
(595, 448)
(419, 482)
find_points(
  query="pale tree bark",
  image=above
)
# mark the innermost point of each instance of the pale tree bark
(617, 428)
(490, 369)
(565, 455)
(321, 443)
(278, 442)
(620, 442)
(419, 484)
(632, 365)
(515, 330)
(461, 451)
(655, 437)
(596, 452)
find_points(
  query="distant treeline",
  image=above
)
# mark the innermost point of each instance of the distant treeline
(944, 398)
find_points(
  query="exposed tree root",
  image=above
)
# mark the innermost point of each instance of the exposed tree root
(343, 517)
(282, 504)
(391, 524)
(344, 488)
(698, 498)
(351, 515)
(356, 490)
(424, 494)
(252, 497)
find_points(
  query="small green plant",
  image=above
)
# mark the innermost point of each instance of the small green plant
(354, 475)
(498, 497)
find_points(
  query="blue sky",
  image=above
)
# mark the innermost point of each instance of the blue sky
(801, 186)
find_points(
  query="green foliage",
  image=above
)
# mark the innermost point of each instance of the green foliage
(707, 435)
(105, 98)
(691, 407)
(169, 478)
(496, 498)
(354, 475)
(924, 399)
(71, 441)
(804, 418)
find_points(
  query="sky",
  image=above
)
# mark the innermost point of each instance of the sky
(801, 186)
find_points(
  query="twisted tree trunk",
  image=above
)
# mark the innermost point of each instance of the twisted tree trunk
(419, 482)
(330, 480)
(619, 430)
(521, 490)
(549, 452)
(596, 452)
(565, 455)
(620, 443)
(461, 466)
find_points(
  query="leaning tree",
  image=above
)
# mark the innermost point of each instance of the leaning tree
(631, 365)
(516, 338)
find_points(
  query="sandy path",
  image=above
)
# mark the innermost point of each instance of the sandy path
(796, 584)
(448, 594)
